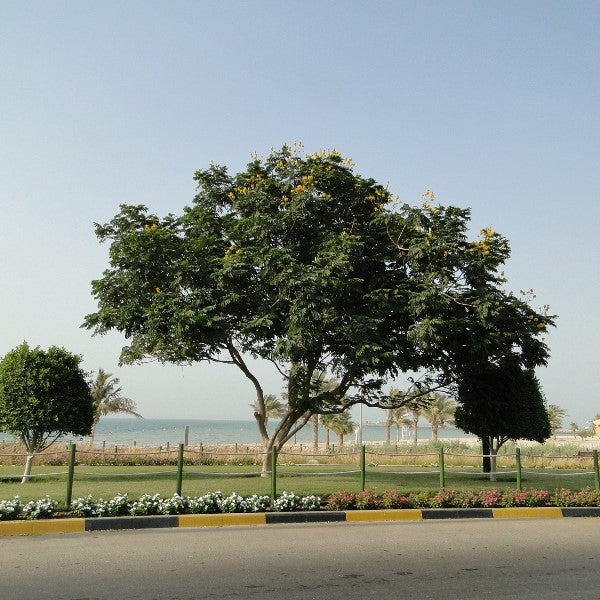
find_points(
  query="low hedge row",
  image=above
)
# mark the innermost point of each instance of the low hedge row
(216, 502)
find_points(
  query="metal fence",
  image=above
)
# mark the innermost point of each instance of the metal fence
(357, 465)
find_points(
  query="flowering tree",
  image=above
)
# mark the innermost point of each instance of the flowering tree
(301, 262)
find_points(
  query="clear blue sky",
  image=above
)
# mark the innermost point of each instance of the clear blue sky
(492, 105)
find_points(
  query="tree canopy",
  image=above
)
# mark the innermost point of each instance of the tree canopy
(43, 395)
(300, 261)
(500, 403)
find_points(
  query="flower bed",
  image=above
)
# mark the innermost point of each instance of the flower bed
(489, 498)
(216, 502)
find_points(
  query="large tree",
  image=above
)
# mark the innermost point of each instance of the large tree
(500, 403)
(300, 261)
(107, 399)
(43, 395)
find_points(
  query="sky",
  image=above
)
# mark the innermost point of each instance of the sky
(492, 105)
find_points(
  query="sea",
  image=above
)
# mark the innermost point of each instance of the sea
(127, 431)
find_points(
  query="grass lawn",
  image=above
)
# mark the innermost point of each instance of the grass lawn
(107, 481)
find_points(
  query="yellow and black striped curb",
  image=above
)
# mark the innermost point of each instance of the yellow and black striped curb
(49, 526)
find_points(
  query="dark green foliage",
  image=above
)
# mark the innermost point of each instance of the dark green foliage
(503, 402)
(43, 395)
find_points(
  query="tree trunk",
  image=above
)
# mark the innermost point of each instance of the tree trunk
(315, 428)
(415, 429)
(388, 428)
(485, 450)
(434, 432)
(327, 439)
(28, 465)
(92, 435)
(397, 433)
(493, 453)
(341, 440)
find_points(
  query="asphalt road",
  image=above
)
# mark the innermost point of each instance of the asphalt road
(474, 559)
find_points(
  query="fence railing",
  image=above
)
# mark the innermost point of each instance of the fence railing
(188, 460)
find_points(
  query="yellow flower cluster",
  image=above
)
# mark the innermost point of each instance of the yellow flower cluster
(325, 154)
(537, 322)
(307, 183)
(152, 227)
(380, 197)
(321, 154)
(231, 252)
(487, 233)
(427, 199)
(481, 245)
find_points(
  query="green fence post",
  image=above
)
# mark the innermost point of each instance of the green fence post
(180, 469)
(273, 474)
(362, 468)
(70, 475)
(596, 470)
(442, 473)
(518, 461)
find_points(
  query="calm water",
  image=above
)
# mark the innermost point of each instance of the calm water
(156, 432)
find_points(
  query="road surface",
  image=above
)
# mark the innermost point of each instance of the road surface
(471, 559)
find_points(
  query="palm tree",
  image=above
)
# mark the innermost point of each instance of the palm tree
(340, 423)
(414, 406)
(389, 421)
(555, 416)
(319, 384)
(273, 407)
(439, 412)
(315, 431)
(325, 422)
(415, 412)
(400, 417)
(107, 399)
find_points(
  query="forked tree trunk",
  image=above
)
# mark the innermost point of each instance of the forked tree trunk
(267, 462)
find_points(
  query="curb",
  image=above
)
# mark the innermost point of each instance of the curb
(53, 526)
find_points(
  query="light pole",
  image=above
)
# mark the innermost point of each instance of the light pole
(360, 417)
